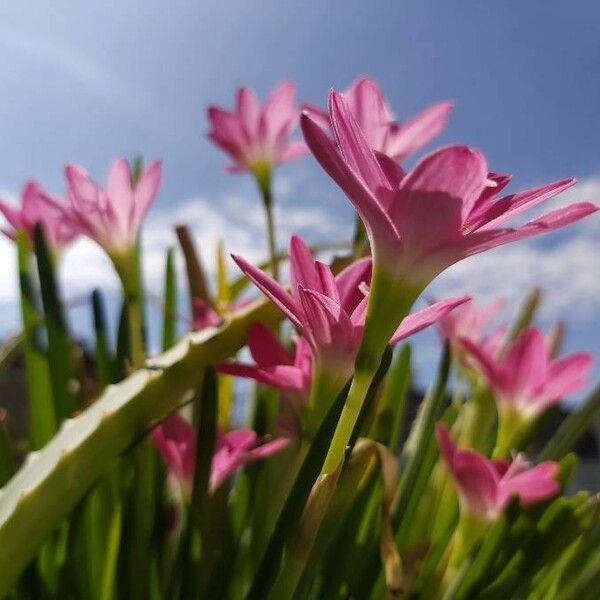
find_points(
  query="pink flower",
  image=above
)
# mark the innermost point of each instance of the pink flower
(112, 215)
(275, 366)
(330, 311)
(376, 120)
(175, 440)
(442, 211)
(469, 322)
(37, 206)
(486, 486)
(255, 137)
(526, 379)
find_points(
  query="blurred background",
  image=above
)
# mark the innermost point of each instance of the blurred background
(85, 82)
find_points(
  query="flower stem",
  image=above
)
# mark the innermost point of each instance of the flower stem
(128, 269)
(389, 303)
(263, 178)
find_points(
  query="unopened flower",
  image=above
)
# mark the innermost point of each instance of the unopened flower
(376, 120)
(525, 379)
(39, 207)
(175, 440)
(257, 138)
(486, 486)
(112, 215)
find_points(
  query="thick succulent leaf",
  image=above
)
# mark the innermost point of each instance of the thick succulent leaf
(55, 478)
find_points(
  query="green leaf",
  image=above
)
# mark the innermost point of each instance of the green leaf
(526, 313)
(7, 465)
(571, 429)
(198, 287)
(106, 367)
(42, 412)
(169, 302)
(291, 511)
(59, 344)
(414, 452)
(196, 543)
(392, 406)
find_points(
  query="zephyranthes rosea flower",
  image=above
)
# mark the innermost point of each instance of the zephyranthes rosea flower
(330, 311)
(376, 120)
(486, 486)
(256, 137)
(112, 215)
(175, 439)
(525, 379)
(442, 211)
(39, 207)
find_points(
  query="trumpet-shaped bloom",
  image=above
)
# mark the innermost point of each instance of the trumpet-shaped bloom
(486, 486)
(39, 207)
(175, 440)
(275, 366)
(442, 211)
(258, 138)
(112, 215)
(330, 311)
(526, 379)
(376, 120)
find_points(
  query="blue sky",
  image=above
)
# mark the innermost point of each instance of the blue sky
(88, 81)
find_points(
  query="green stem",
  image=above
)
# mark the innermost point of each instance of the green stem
(389, 303)
(263, 178)
(128, 269)
(510, 424)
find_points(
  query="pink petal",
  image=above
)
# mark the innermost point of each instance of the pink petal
(366, 204)
(292, 150)
(567, 375)
(483, 362)
(146, 189)
(526, 362)
(510, 206)
(83, 188)
(354, 147)
(327, 323)
(421, 319)
(480, 241)
(248, 110)
(265, 347)
(409, 137)
(303, 270)
(266, 450)
(391, 169)
(373, 115)
(271, 289)
(326, 282)
(348, 281)
(533, 485)
(279, 110)
(439, 192)
(318, 116)
(12, 215)
(282, 377)
(118, 183)
(474, 475)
